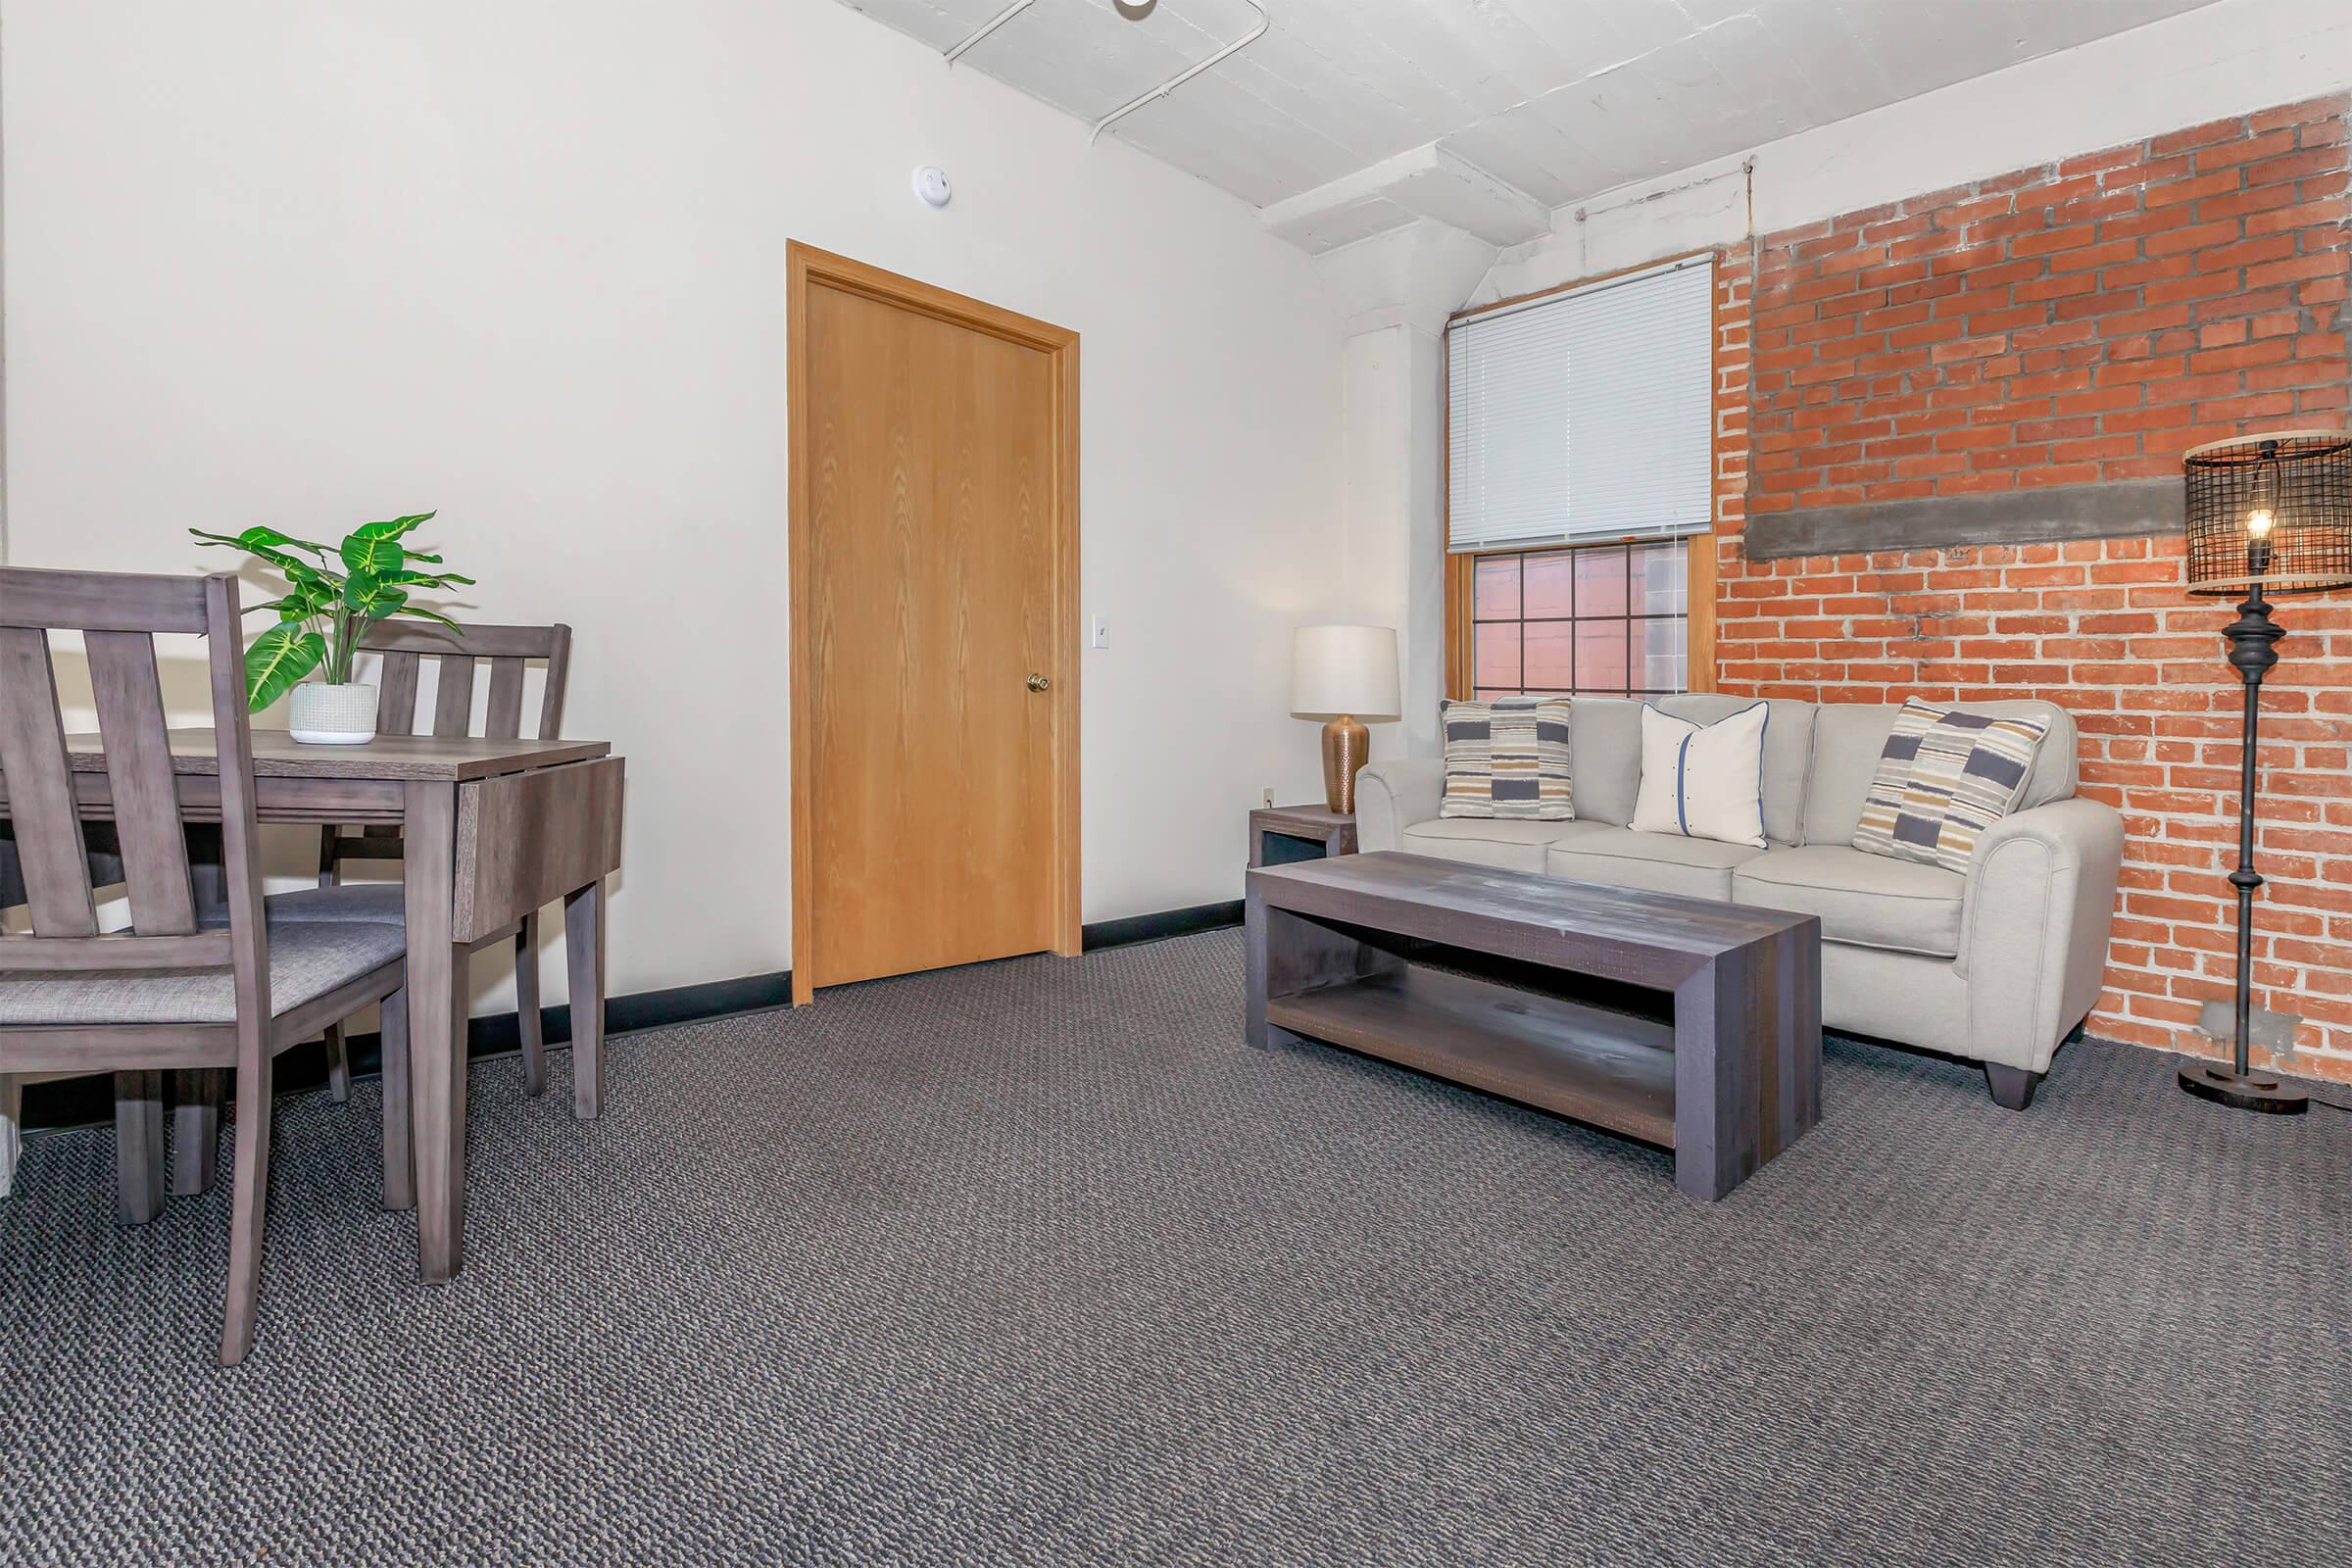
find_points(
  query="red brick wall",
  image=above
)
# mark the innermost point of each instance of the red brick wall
(2080, 321)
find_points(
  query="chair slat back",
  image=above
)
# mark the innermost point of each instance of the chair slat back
(453, 694)
(118, 616)
(396, 696)
(509, 652)
(138, 770)
(51, 856)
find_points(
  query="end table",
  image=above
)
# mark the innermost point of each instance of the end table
(1284, 834)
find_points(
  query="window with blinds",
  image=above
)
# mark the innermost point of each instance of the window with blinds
(1583, 416)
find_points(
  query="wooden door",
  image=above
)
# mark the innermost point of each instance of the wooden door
(930, 624)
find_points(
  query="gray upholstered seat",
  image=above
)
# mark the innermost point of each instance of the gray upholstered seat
(1867, 900)
(378, 903)
(1513, 843)
(1655, 862)
(306, 961)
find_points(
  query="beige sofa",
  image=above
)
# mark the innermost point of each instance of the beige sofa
(1997, 967)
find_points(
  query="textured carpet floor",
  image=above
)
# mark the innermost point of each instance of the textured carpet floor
(1039, 1263)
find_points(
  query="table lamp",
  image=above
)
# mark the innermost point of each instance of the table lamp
(1344, 674)
(2264, 511)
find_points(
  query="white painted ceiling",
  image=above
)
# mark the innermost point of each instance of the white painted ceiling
(1559, 99)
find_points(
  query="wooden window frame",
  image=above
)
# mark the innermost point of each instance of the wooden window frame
(1629, 619)
(1461, 571)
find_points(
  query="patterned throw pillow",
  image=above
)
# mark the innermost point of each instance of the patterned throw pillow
(1944, 779)
(1507, 757)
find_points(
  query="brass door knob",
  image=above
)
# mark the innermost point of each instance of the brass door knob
(1038, 683)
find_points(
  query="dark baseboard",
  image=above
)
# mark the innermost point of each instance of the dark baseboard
(90, 1102)
(1167, 923)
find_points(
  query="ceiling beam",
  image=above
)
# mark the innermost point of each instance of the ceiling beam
(1425, 182)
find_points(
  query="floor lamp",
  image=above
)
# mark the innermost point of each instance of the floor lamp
(2264, 511)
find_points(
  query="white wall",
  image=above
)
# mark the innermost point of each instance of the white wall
(309, 263)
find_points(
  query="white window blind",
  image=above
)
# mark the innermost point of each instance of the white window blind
(1583, 416)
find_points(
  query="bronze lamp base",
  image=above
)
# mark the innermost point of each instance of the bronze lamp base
(1346, 746)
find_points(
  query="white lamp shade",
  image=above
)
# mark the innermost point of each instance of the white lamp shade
(1344, 669)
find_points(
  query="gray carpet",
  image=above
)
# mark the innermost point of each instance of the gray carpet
(1038, 1263)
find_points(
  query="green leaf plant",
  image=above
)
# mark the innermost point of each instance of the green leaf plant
(332, 597)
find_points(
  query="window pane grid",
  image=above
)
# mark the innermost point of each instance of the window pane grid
(1614, 640)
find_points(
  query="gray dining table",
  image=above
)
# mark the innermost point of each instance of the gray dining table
(492, 829)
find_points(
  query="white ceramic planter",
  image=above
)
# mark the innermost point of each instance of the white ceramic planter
(333, 716)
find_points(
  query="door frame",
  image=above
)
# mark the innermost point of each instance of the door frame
(807, 268)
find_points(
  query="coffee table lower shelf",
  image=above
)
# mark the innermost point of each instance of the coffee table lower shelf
(1606, 1068)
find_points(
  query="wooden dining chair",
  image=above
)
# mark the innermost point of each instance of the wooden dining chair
(171, 992)
(139, 1106)
(507, 650)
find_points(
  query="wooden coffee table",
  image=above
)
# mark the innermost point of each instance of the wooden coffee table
(1365, 950)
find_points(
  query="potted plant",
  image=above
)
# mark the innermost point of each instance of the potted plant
(332, 598)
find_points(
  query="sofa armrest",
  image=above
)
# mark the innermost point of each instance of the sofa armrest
(1391, 797)
(2033, 927)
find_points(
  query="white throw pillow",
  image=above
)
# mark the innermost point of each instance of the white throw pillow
(1704, 781)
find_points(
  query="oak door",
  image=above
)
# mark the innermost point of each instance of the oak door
(929, 560)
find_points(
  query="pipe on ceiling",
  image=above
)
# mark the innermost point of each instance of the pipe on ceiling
(992, 25)
(1132, 105)
(1169, 87)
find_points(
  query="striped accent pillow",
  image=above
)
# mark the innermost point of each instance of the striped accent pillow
(1944, 779)
(1507, 757)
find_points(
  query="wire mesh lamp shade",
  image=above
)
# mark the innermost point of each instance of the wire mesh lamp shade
(2275, 509)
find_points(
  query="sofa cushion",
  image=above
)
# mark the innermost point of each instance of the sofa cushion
(1514, 846)
(1865, 900)
(1656, 862)
(1848, 738)
(1507, 757)
(1605, 749)
(1704, 781)
(1945, 777)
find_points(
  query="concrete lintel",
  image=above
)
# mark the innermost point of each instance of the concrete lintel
(2055, 514)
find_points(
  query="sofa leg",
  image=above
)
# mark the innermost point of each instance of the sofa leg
(2012, 1087)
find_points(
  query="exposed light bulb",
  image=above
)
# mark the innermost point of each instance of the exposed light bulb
(2258, 523)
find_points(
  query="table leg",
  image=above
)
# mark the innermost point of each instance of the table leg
(1746, 1061)
(12, 1112)
(584, 960)
(529, 1026)
(436, 998)
(399, 1109)
(1289, 953)
(196, 1094)
(138, 1146)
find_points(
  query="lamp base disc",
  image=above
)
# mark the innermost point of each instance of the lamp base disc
(2245, 1092)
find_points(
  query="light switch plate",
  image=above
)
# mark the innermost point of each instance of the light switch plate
(1098, 633)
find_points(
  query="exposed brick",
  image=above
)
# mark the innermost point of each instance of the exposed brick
(2089, 317)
